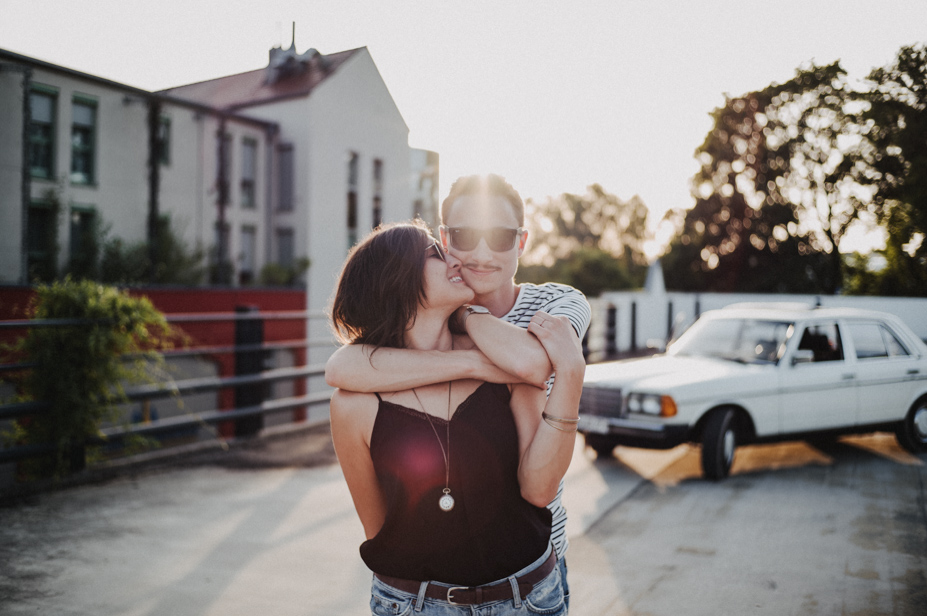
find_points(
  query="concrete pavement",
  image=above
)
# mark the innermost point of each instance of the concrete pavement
(219, 540)
(835, 529)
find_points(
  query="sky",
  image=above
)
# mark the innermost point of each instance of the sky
(554, 95)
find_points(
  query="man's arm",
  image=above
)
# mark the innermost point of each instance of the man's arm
(353, 368)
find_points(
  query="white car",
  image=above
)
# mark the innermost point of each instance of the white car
(750, 374)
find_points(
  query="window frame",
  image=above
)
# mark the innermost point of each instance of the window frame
(248, 184)
(286, 165)
(164, 141)
(88, 151)
(50, 142)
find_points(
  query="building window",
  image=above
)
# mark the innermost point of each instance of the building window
(285, 179)
(377, 190)
(248, 254)
(286, 247)
(164, 140)
(83, 245)
(353, 163)
(223, 168)
(42, 134)
(248, 172)
(81, 236)
(83, 140)
(41, 241)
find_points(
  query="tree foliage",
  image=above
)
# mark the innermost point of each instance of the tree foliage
(130, 263)
(744, 234)
(787, 171)
(594, 241)
(591, 270)
(80, 369)
(894, 156)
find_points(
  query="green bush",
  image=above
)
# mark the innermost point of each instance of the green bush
(274, 274)
(80, 369)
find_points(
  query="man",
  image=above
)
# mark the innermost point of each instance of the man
(483, 227)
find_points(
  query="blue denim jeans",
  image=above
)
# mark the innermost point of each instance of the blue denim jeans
(545, 598)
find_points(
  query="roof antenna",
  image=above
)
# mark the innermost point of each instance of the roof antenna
(293, 44)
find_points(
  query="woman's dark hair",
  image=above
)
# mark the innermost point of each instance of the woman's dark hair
(381, 285)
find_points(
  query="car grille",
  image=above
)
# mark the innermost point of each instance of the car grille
(601, 401)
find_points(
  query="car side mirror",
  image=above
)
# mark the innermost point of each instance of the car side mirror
(803, 356)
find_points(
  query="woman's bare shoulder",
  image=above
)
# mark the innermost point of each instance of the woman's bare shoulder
(352, 402)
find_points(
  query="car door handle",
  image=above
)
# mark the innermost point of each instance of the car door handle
(914, 371)
(849, 377)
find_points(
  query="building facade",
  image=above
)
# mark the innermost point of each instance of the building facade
(292, 162)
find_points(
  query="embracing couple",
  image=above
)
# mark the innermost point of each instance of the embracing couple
(456, 410)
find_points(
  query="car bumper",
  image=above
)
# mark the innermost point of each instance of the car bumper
(634, 432)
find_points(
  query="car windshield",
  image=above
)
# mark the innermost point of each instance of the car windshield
(748, 341)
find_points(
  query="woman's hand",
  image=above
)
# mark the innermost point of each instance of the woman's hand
(558, 338)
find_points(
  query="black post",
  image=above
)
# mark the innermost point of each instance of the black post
(633, 326)
(250, 332)
(669, 321)
(26, 178)
(154, 185)
(611, 328)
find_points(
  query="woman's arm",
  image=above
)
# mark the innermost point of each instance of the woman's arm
(352, 418)
(352, 367)
(547, 446)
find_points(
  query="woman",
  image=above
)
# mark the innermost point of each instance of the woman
(450, 481)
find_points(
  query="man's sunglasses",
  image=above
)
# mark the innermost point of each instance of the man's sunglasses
(499, 239)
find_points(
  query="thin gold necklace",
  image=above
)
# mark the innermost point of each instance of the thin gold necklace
(446, 502)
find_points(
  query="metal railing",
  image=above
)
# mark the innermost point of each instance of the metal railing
(159, 390)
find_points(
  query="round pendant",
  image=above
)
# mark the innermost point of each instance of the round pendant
(446, 502)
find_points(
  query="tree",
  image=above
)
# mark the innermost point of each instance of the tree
(894, 158)
(174, 263)
(743, 234)
(812, 116)
(592, 241)
(591, 270)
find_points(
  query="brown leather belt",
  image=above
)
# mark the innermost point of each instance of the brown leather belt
(474, 595)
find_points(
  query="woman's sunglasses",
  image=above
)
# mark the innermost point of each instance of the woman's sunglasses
(499, 239)
(438, 249)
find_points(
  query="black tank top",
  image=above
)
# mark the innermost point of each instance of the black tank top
(491, 533)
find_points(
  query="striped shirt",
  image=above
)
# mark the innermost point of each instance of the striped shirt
(558, 300)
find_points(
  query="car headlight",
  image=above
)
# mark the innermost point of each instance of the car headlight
(652, 404)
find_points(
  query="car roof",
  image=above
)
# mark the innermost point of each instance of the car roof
(793, 312)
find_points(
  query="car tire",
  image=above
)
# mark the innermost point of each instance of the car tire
(602, 445)
(719, 440)
(912, 432)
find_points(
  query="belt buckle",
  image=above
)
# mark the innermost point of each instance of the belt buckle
(452, 589)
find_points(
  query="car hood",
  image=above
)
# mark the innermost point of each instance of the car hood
(672, 374)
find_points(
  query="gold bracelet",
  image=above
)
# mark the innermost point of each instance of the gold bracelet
(556, 427)
(560, 419)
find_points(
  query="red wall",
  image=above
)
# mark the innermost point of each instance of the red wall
(14, 301)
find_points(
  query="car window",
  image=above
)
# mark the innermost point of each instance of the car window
(873, 340)
(749, 341)
(824, 340)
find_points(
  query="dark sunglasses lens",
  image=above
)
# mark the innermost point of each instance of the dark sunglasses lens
(440, 251)
(501, 239)
(498, 239)
(464, 239)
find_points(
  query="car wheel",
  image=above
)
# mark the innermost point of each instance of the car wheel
(719, 439)
(602, 445)
(912, 433)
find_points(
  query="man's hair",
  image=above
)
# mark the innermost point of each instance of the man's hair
(490, 185)
(381, 285)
